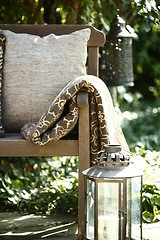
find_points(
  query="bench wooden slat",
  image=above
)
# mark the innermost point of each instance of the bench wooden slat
(15, 145)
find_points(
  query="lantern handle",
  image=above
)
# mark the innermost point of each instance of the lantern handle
(112, 148)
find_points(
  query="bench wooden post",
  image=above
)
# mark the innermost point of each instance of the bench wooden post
(84, 157)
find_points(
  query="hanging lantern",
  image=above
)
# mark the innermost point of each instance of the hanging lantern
(113, 197)
(118, 56)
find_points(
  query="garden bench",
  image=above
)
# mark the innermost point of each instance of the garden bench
(13, 144)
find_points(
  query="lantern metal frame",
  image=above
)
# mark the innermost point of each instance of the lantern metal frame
(113, 167)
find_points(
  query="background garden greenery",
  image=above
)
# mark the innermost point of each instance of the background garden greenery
(50, 184)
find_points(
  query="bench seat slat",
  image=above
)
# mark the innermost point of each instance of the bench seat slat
(15, 145)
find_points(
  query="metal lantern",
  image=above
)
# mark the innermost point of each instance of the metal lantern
(118, 56)
(113, 197)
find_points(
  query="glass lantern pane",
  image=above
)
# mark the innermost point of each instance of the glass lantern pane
(90, 209)
(134, 208)
(108, 209)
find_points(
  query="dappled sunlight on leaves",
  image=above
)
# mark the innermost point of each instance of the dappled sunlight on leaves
(140, 123)
(40, 184)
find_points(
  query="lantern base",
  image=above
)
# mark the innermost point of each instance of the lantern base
(100, 239)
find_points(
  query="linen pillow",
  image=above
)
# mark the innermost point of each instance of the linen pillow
(36, 69)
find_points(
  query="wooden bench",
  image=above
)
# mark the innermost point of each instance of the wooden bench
(14, 145)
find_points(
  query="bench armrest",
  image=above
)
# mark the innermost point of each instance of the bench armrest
(82, 99)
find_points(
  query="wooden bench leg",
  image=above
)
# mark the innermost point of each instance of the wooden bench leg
(84, 158)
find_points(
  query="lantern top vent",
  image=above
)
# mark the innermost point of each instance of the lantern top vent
(112, 156)
(112, 163)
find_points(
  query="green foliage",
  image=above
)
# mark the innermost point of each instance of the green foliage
(146, 63)
(140, 124)
(149, 162)
(77, 11)
(140, 120)
(39, 184)
(151, 203)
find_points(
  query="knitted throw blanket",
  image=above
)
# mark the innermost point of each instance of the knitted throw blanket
(57, 123)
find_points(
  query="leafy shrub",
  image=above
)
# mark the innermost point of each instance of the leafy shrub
(140, 125)
(39, 184)
(145, 62)
(151, 203)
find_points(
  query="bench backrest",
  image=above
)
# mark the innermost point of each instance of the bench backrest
(96, 40)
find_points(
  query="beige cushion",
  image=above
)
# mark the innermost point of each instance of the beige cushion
(36, 69)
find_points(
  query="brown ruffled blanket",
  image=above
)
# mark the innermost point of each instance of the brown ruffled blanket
(57, 123)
